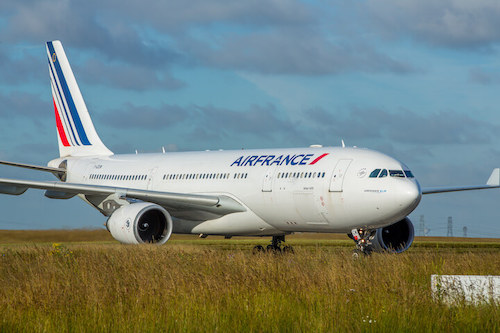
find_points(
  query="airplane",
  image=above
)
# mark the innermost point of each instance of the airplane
(257, 192)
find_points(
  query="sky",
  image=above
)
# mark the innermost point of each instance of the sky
(418, 80)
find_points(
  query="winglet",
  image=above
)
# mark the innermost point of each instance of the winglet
(494, 179)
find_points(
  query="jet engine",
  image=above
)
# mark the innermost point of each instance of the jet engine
(395, 238)
(139, 223)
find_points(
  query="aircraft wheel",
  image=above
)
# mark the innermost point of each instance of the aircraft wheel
(275, 249)
(258, 249)
(288, 249)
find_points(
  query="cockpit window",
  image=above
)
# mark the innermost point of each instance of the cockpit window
(396, 173)
(381, 173)
(409, 174)
(374, 173)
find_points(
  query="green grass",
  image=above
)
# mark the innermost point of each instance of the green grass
(214, 284)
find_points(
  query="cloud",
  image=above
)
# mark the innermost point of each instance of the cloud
(262, 120)
(130, 116)
(300, 51)
(23, 67)
(122, 29)
(448, 23)
(208, 125)
(174, 14)
(479, 76)
(277, 36)
(404, 126)
(22, 104)
(128, 77)
(82, 25)
(264, 125)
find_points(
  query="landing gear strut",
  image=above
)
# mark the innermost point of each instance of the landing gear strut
(275, 246)
(363, 239)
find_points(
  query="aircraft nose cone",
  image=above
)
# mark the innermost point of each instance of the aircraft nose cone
(409, 195)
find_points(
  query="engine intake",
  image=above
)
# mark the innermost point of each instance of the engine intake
(395, 238)
(140, 223)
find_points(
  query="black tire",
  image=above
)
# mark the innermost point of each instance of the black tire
(258, 249)
(273, 249)
(288, 249)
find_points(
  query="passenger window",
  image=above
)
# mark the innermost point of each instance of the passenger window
(374, 173)
(383, 174)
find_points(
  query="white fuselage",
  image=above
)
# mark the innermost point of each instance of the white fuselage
(283, 190)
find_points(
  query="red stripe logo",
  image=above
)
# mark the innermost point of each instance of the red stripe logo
(60, 128)
(317, 159)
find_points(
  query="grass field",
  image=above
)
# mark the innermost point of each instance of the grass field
(88, 282)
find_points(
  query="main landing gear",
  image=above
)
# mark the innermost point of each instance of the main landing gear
(363, 239)
(274, 247)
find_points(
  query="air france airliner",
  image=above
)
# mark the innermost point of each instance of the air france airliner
(266, 192)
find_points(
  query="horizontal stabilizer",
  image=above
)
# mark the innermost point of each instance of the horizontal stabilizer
(58, 172)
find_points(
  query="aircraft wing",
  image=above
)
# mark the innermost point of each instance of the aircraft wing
(493, 182)
(179, 204)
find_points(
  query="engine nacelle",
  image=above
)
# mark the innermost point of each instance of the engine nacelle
(139, 223)
(395, 238)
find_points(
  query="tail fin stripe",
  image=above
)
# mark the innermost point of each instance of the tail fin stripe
(64, 121)
(76, 134)
(74, 113)
(60, 128)
(61, 103)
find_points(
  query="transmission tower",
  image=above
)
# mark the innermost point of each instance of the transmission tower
(465, 231)
(421, 226)
(450, 227)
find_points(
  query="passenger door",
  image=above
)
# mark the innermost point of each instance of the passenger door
(337, 181)
(267, 182)
(151, 175)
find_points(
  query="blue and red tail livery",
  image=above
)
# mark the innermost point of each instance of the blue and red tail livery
(76, 132)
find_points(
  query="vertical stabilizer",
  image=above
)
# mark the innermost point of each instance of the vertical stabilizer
(76, 133)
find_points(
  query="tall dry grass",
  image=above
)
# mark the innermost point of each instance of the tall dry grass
(184, 287)
(60, 235)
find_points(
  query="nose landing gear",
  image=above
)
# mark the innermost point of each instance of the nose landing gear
(363, 239)
(275, 246)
